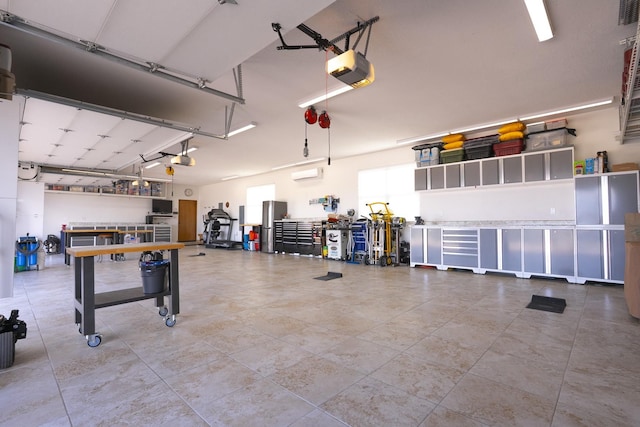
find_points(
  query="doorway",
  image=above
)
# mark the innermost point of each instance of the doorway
(187, 220)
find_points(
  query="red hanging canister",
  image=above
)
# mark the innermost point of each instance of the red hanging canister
(324, 121)
(310, 115)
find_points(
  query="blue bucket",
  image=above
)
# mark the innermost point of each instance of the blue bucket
(33, 258)
(21, 260)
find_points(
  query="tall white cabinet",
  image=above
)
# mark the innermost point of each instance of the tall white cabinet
(601, 203)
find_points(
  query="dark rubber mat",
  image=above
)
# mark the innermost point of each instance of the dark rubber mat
(330, 275)
(554, 305)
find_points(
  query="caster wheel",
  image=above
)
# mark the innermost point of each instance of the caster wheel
(389, 260)
(170, 321)
(163, 311)
(94, 340)
(383, 261)
(366, 260)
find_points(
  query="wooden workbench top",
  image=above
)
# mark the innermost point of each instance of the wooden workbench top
(85, 251)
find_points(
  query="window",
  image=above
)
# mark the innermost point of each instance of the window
(255, 197)
(394, 185)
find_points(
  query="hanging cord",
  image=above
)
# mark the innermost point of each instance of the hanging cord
(329, 138)
(326, 105)
(305, 150)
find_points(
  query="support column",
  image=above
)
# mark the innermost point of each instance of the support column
(9, 135)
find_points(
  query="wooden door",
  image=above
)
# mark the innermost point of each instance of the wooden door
(187, 220)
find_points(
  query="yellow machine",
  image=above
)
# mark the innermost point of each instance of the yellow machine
(381, 238)
(384, 235)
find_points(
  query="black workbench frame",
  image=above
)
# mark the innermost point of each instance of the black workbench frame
(86, 301)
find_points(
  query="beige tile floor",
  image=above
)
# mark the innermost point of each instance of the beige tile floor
(259, 342)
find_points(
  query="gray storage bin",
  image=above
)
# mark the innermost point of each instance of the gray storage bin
(154, 276)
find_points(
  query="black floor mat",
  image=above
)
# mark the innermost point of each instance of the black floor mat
(554, 305)
(330, 275)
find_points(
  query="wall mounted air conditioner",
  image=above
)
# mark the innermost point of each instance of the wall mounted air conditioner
(306, 174)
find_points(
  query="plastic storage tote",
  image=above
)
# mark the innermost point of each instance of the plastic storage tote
(508, 148)
(480, 148)
(452, 156)
(551, 139)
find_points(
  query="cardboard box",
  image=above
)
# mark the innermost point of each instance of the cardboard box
(620, 167)
(632, 227)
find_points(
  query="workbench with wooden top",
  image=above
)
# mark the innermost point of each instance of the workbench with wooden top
(87, 301)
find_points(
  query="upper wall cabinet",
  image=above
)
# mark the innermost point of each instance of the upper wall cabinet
(525, 167)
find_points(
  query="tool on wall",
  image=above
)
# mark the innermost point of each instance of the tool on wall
(329, 203)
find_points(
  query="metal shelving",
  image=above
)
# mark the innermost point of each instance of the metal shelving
(630, 105)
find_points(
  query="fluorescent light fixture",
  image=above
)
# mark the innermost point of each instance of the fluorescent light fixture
(485, 126)
(152, 165)
(569, 109)
(242, 129)
(230, 177)
(288, 165)
(421, 138)
(539, 19)
(304, 162)
(191, 150)
(325, 96)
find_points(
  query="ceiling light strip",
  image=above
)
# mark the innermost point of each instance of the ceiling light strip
(304, 162)
(325, 96)
(538, 116)
(569, 109)
(242, 129)
(539, 19)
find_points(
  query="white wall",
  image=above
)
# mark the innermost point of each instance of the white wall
(598, 131)
(68, 207)
(9, 135)
(340, 180)
(30, 210)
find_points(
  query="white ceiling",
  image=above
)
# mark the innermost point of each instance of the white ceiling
(440, 65)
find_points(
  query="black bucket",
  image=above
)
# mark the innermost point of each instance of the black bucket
(154, 276)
